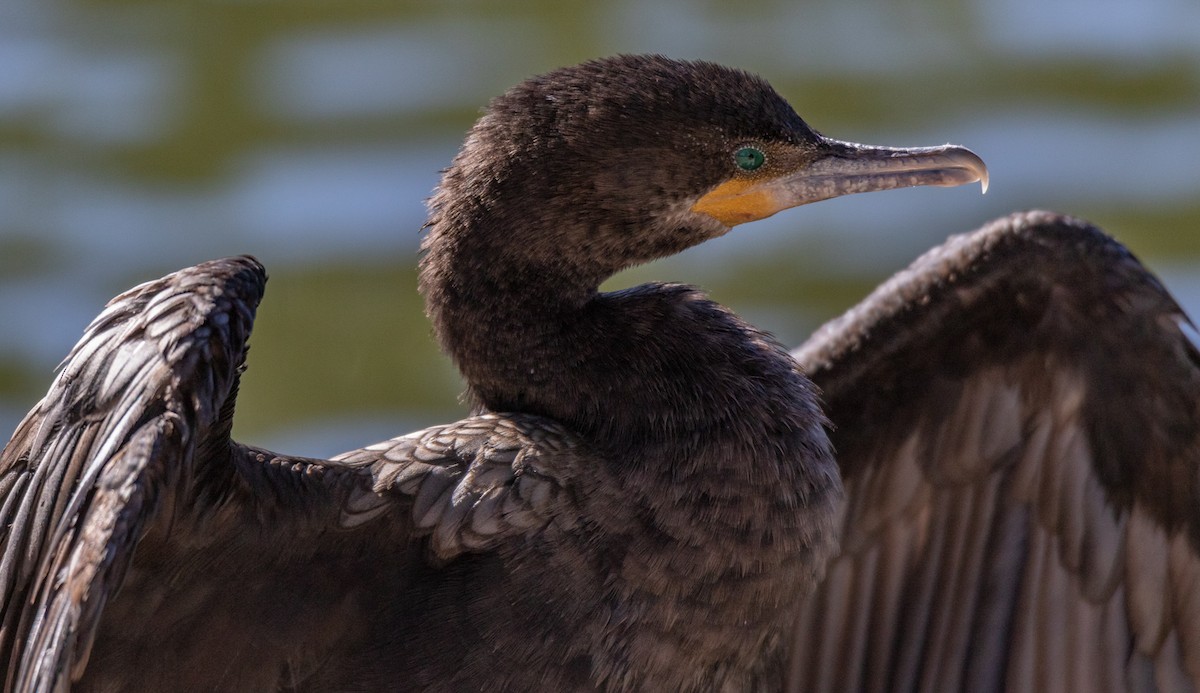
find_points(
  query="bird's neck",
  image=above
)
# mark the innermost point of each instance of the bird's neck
(508, 329)
(652, 364)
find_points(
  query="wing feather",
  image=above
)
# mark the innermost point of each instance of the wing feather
(472, 484)
(85, 469)
(1017, 417)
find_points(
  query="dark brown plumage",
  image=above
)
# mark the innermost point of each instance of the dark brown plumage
(644, 496)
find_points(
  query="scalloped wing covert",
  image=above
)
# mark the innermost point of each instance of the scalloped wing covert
(473, 483)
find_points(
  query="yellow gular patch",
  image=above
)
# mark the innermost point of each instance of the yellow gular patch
(738, 201)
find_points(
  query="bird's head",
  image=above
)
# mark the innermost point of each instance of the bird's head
(590, 169)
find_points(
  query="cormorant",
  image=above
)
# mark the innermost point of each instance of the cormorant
(644, 496)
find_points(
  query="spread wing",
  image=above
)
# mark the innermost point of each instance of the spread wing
(145, 387)
(1016, 420)
(134, 435)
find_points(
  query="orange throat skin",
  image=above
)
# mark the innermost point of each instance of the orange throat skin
(738, 201)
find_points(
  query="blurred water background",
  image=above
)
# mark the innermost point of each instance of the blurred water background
(137, 137)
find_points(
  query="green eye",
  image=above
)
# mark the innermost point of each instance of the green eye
(749, 158)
